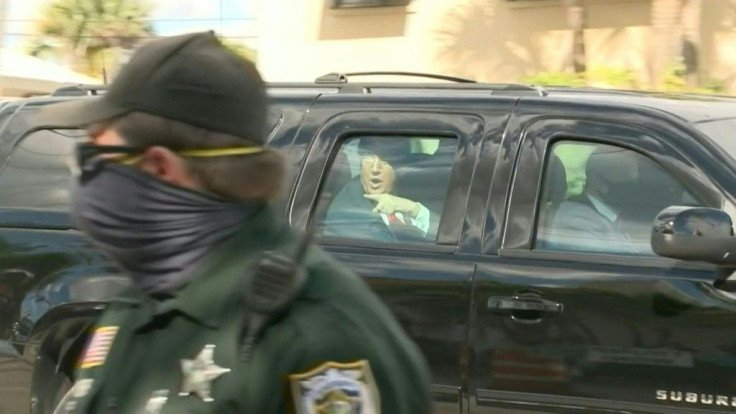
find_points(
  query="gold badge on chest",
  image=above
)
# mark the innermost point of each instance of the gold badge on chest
(336, 388)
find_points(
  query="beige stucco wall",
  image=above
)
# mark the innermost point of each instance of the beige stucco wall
(718, 42)
(302, 39)
(498, 40)
(488, 40)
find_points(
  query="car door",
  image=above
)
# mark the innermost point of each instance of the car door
(40, 258)
(425, 279)
(573, 314)
(52, 280)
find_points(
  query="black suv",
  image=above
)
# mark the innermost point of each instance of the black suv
(530, 282)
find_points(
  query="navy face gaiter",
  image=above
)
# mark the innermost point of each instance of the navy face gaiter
(155, 231)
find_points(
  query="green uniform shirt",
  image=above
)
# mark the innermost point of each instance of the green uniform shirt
(337, 349)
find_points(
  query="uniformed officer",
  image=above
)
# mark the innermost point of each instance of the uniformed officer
(230, 311)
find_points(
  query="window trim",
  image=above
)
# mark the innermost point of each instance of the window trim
(33, 218)
(655, 262)
(323, 149)
(539, 136)
(347, 242)
(273, 129)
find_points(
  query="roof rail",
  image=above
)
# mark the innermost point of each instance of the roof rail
(80, 90)
(343, 77)
(340, 81)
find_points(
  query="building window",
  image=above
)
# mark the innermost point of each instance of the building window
(344, 4)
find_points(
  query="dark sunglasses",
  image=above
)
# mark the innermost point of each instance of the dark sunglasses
(90, 157)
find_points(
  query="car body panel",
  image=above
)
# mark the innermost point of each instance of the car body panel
(427, 287)
(628, 328)
(53, 282)
(631, 328)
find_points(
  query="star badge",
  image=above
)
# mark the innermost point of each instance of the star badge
(199, 374)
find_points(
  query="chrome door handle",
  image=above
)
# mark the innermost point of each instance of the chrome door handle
(506, 305)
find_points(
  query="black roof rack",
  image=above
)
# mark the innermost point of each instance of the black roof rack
(339, 81)
(80, 90)
(343, 77)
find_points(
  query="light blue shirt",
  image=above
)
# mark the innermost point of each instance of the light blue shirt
(604, 209)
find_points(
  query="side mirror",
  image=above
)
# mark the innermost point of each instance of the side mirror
(694, 233)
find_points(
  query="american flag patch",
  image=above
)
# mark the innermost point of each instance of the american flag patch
(99, 347)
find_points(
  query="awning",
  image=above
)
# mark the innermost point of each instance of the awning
(23, 75)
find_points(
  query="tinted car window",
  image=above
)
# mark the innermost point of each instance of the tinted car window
(388, 189)
(603, 198)
(38, 172)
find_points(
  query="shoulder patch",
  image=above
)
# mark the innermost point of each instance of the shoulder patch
(98, 347)
(336, 388)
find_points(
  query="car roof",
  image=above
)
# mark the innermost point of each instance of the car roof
(690, 107)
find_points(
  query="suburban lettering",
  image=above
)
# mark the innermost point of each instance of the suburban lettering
(695, 398)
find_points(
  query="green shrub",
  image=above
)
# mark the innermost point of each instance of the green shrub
(714, 86)
(673, 81)
(608, 77)
(613, 77)
(555, 79)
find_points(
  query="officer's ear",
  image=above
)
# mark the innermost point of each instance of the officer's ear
(169, 167)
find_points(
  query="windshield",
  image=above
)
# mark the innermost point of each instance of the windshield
(721, 131)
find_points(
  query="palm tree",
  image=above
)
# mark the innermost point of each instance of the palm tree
(80, 31)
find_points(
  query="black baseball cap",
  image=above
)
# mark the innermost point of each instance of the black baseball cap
(190, 78)
(391, 149)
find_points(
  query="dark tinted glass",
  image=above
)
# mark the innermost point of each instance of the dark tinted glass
(602, 198)
(39, 170)
(389, 189)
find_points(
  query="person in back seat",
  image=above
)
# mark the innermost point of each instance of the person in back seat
(368, 208)
(590, 221)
